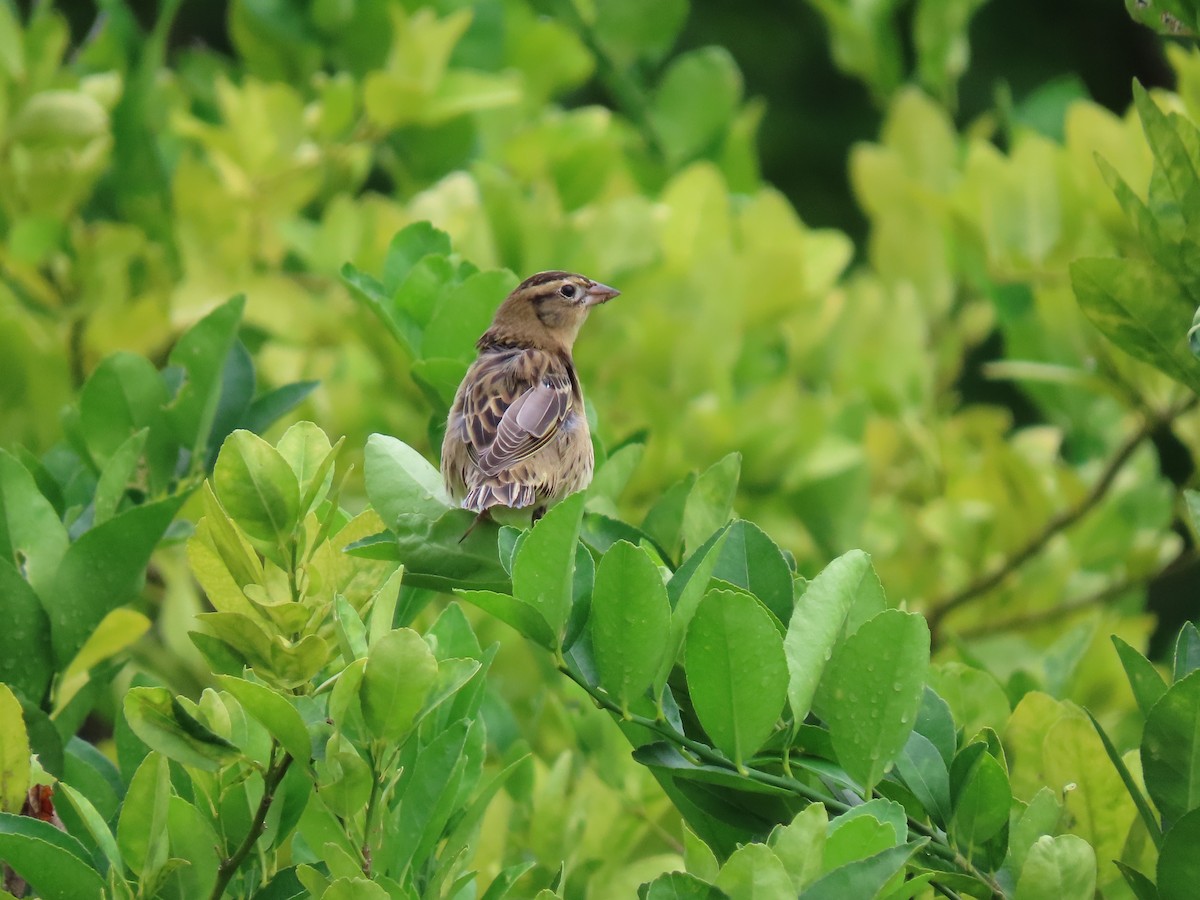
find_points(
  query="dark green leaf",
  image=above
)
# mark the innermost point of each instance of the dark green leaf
(679, 886)
(116, 475)
(1147, 685)
(102, 570)
(753, 561)
(26, 654)
(518, 614)
(32, 538)
(55, 864)
(982, 798)
(863, 877)
(269, 407)
(201, 352)
(924, 771)
(1171, 749)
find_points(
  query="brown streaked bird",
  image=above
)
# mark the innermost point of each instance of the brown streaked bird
(517, 435)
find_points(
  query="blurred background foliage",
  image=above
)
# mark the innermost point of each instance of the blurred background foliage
(842, 232)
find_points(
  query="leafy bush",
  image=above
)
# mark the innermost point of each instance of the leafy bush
(334, 727)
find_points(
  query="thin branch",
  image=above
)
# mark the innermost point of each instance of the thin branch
(275, 772)
(1057, 523)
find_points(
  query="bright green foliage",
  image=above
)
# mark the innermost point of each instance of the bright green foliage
(759, 411)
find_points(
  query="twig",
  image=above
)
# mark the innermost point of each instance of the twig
(1057, 523)
(275, 772)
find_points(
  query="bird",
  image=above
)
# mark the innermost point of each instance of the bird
(517, 434)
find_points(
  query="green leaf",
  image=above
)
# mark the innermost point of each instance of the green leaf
(753, 561)
(201, 352)
(307, 450)
(710, 502)
(1143, 888)
(400, 672)
(863, 877)
(122, 396)
(463, 313)
(95, 823)
(1170, 152)
(664, 520)
(736, 671)
(819, 619)
(1171, 749)
(102, 570)
(192, 838)
(1145, 681)
(401, 482)
(1178, 862)
(165, 726)
(800, 845)
(354, 889)
(528, 621)
(54, 864)
(695, 102)
(274, 712)
(26, 654)
(754, 871)
(142, 829)
(666, 760)
(982, 797)
(544, 567)
(872, 690)
(116, 475)
(685, 590)
(1135, 792)
(680, 886)
(32, 537)
(440, 554)
(1141, 310)
(1058, 868)
(409, 245)
(258, 488)
(1187, 651)
(629, 621)
(14, 753)
(924, 771)
(351, 632)
(267, 408)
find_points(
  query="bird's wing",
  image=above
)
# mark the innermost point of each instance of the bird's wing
(515, 408)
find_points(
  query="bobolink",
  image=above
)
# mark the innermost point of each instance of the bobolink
(517, 435)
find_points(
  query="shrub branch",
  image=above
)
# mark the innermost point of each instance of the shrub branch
(1058, 522)
(229, 866)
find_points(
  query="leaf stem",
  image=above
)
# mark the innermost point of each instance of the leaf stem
(1057, 523)
(229, 866)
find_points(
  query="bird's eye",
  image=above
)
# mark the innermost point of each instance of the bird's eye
(567, 290)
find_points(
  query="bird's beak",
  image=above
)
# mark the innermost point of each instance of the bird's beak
(600, 293)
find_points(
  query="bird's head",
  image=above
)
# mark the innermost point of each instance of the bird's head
(547, 310)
